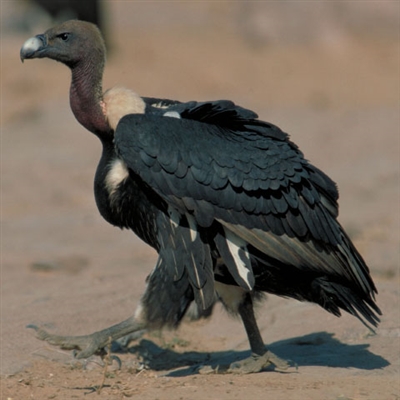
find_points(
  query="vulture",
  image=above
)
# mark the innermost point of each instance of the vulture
(228, 201)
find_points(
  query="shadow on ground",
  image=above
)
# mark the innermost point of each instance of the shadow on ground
(316, 349)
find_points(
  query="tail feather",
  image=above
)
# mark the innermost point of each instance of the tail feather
(333, 296)
(335, 277)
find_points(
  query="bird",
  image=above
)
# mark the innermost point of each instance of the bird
(228, 201)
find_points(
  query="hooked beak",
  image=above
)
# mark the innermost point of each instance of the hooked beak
(33, 47)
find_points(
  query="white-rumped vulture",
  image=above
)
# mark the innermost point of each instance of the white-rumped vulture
(228, 202)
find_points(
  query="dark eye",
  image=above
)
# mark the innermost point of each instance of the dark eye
(64, 36)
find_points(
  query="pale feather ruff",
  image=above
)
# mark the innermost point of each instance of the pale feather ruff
(118, 102)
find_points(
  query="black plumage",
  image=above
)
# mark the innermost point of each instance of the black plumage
(228, 201)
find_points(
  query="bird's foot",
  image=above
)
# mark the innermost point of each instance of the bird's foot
(96, 343)
(254, 363)
(83, 346)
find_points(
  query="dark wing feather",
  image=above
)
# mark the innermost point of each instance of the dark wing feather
(184, 256)
(156, 102)
(165, 299)
(219, 163)
(230, 166)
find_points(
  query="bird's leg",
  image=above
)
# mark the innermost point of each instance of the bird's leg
(261, 357)
(87, 345)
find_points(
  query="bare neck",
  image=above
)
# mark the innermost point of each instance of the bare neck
(86, 95)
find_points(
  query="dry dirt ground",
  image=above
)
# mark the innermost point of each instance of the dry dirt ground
(65, 268)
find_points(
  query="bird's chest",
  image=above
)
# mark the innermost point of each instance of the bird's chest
(125, 201)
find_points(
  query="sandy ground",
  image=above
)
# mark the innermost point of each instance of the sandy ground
(65, 268)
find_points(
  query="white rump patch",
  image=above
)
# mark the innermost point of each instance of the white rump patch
(236, 246)
(117, 174)
(118, 102)
(173, 114)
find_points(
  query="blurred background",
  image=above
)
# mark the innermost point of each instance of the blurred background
(325, 72)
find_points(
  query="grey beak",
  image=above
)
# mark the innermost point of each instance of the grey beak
(32, 47)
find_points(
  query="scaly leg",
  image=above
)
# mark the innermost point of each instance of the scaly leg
(87, 345)
(261, 357)
(237, 300)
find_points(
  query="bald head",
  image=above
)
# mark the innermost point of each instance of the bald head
(70, 43)
(80, 46)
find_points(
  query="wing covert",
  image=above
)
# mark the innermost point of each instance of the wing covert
(243, 176)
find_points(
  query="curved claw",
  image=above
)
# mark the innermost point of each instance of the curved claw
(117, 360)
